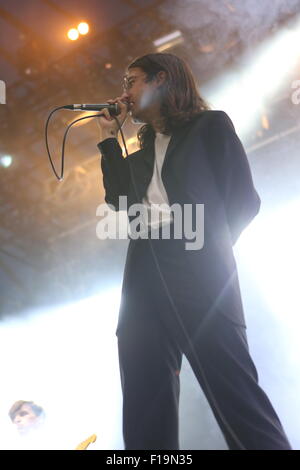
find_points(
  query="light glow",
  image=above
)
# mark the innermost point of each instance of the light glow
(66, 361)
(73, 34)
(83, 28)
(6, 161)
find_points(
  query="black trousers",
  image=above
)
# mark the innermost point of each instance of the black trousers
(150, 355)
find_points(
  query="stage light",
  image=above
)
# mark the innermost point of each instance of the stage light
(73, 34)
(269, 250)
(245, 91)
(6, 161)
(265, 122)
(168, 41)
(83, 28)
(2, 92)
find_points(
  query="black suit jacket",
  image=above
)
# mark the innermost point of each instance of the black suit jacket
(205, 163)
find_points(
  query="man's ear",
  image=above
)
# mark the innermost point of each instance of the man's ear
(161, 77)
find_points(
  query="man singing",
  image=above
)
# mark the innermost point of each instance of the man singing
(176, 300)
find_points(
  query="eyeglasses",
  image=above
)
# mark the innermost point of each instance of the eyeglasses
(129, 81)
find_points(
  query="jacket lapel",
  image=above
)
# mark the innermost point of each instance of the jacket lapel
(148, 154)
(177, 137)
(144, 159)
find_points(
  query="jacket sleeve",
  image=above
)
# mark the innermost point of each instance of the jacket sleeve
(115, 171)
(232, 174)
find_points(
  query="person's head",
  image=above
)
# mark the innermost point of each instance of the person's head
(26, 415)
(163, 90)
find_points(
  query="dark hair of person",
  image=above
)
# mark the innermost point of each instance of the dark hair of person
(38, 410)
(180, 100)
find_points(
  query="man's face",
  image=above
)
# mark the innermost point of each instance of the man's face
(25, 418)
(143, 97)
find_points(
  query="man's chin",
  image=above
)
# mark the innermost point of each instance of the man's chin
(136, 119)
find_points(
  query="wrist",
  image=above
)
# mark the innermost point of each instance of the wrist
(109, 134)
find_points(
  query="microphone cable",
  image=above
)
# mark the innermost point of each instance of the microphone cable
(61, 176)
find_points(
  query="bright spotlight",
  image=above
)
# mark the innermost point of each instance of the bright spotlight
(2, 92)
(244, 92)
(276, 236)
(168, 41)
(6, 161)
(83, 28)
(73, 34)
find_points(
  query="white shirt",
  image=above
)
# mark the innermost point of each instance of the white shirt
(156, 199)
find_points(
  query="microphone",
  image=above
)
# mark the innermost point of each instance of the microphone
(114, 109)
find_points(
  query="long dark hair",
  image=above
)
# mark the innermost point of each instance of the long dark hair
(180, 99)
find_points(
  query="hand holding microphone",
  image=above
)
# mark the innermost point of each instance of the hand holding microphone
(107, 124)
